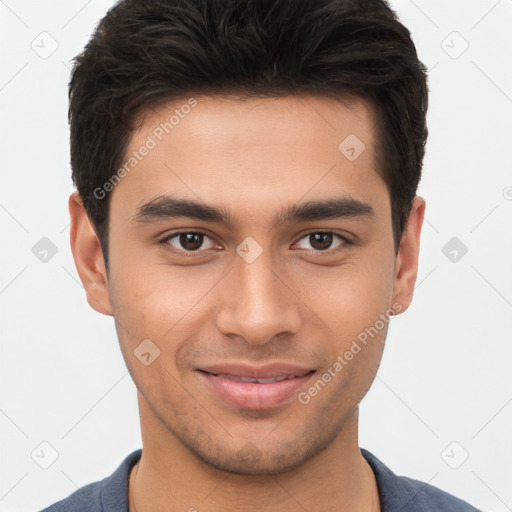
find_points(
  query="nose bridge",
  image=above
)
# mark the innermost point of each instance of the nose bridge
(256, 304)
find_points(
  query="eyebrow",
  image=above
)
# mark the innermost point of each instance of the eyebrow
(165, 207)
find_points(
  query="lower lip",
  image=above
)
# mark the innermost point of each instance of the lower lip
(254, 395)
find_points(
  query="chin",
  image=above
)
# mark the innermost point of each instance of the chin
(270, 459)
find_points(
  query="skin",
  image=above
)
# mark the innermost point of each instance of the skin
(293, 304)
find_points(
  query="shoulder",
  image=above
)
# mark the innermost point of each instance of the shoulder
(432, 499)
(107, 495)
(87, 498)
(400, 493)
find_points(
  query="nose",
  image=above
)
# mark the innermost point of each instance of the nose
(258, 301)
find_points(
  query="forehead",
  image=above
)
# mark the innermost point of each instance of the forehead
(250, 152)
(238, 124)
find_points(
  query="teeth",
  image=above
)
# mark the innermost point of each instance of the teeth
(276, 379)
(251, 380)
(244, 379)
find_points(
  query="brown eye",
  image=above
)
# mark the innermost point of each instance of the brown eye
(189, 241)
(322, 240)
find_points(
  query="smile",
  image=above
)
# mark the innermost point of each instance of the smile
(255, 392)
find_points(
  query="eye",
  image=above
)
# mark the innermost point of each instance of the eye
(190, 241)
(322, 241)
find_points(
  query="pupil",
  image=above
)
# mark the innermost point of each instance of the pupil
(321, 240)
(191, 241)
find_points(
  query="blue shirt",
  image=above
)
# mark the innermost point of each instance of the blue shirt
(396, 493)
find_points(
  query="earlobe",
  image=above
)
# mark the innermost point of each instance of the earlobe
(406, 265)
(88, 257)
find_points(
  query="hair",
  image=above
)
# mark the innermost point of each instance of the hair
(145, 53)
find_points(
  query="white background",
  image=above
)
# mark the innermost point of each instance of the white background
(446, 371)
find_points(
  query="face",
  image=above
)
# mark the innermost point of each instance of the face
(253, 241)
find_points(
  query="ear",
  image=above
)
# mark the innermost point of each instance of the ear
(88, 257)
(406, 264)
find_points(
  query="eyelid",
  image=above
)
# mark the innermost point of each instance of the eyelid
(346, 241)
(180, 252)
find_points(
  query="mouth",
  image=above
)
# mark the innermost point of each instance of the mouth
(237, 378)
(251, 388)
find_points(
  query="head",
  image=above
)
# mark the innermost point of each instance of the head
(246, 179)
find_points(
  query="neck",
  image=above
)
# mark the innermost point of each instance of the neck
(169, 477)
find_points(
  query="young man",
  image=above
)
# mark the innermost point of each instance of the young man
(246, 210)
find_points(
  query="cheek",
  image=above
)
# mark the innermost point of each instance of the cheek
(350, 297)
(157, 301)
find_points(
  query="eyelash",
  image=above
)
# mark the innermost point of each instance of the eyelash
(164, 241)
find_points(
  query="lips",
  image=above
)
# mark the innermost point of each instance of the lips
(250, 379)
(269, 371)
(254, 387)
